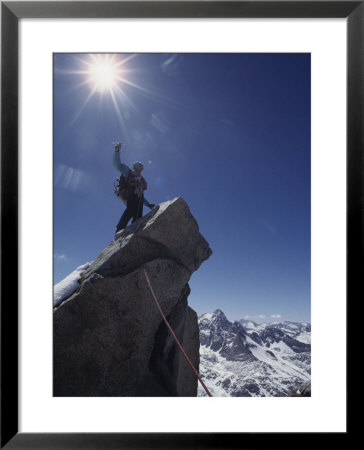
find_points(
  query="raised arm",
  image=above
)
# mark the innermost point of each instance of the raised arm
(121, 167)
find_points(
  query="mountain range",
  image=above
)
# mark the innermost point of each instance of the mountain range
(245, 359)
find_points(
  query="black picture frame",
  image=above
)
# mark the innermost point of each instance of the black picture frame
(11, 12)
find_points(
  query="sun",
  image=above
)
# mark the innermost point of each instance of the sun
(103, 73)
(110, 77)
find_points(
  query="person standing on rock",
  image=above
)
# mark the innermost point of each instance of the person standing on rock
(132, 186)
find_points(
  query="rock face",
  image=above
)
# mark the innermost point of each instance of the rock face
(109, 337)
(303, 390)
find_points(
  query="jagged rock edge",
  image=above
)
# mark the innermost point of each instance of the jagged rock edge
(87, 280)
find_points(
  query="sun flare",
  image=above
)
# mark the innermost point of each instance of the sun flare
(110, 77)
(103, 73)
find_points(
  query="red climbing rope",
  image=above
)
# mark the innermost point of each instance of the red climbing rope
(174, 336)
(169, 326)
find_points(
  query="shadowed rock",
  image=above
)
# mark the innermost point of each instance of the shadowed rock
(109, 337)
(303, 390)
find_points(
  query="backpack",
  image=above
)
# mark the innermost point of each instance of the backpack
(120, 187)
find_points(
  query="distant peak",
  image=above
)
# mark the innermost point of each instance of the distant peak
(218, 312)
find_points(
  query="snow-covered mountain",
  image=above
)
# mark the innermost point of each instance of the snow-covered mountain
(243, 358)
(299, 331)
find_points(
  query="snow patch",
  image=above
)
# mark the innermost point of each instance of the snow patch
(68, 285)
(304, 337)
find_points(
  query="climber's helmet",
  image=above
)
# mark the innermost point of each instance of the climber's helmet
(138, 167)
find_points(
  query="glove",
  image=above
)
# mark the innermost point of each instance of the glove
(118, 147)
(151, 205)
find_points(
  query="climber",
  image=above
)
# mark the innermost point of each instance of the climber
(135, 185)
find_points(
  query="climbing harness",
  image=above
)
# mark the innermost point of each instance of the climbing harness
(169, 326)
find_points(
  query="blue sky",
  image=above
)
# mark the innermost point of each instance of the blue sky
(230, 133)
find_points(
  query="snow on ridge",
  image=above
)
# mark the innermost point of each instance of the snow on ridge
(68, 285)
(249, 325)
(286, 325)
(218, 313)
(304, 337)
(272, 358)
(206, 316)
